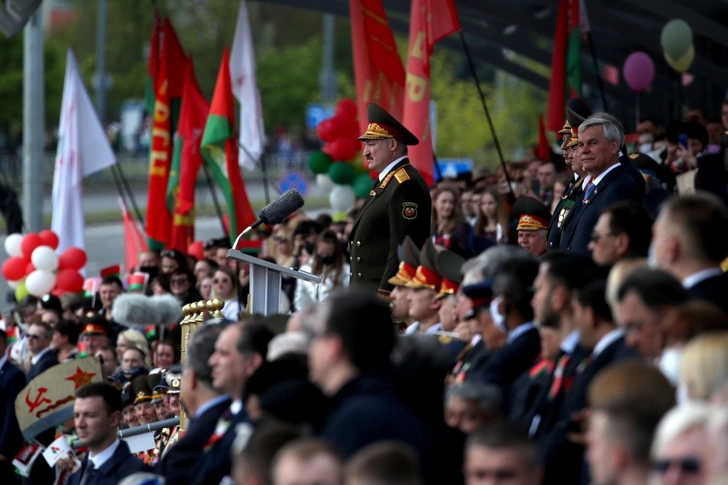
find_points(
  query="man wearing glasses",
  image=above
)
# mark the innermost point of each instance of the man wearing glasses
(39, 345)
(623, 230)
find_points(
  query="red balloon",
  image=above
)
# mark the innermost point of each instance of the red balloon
(69, 280)
(49, 238)
(326, 130)
(196, 249)
(29, 268)
(29, 243)
(346, 108)
(72, 258)
(342, 149)
(14, 268)
(58, 292)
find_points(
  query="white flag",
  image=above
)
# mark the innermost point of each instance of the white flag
(245, 89)
(82, 150)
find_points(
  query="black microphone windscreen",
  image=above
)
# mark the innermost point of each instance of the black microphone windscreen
(278, 210)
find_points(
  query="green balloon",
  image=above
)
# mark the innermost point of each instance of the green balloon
(341, 173)
(358, 164)
(319, 162)
(21, 291)
(363, 185)
(676, 38)
(339, 216)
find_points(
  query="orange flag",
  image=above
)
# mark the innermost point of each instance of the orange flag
(430, 21)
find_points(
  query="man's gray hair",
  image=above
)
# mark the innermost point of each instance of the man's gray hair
(613, 119)
(611, 130)
(488, 397)
(492, 260)
(200, 347)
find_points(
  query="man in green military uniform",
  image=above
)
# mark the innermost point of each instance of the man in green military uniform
(399, 204)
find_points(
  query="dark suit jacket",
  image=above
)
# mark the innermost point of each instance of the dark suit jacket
(178, 464)
(713, 289)
(573, 191)
(564, 459)
(47, 360)
(214, 465)
(400, 207)
(507, 363)
(617, 185)
(12, 381)
(636, 176)
(121, 464)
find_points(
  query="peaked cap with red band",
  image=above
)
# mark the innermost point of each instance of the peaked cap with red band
(427, 275)
(449, 265)
(383, 126)
(409, 257)
(532, 214)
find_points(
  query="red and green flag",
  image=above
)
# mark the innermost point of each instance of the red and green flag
(186, 162)
(571, 24)
(169, 83)
(152, 68)
(220, 151)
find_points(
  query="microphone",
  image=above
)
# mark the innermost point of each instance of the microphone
(275, 212)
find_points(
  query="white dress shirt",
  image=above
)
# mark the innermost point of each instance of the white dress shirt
(518, 331)
(604, 173)
(101, 458)
(389, 168)
(35, 359)
(607, 340)
(701, 276)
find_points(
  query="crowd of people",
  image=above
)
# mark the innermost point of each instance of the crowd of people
(566, 322)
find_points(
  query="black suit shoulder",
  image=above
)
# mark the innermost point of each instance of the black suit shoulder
(121, 464)
(713, 289)
(12, 381)
(512, 360)
(46, 361)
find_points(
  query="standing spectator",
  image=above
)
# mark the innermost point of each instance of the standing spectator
(472, 406)
(388, 463)
(94, 332)
(562, 184)
(329, 264)
(449, 230)
(12, 381)
(306, 461)
(65, 338)
(183, 283)
(132, 338)
(491, 223)
(204, 268)
(546, 181)
(107, 358)
(623, 230)
(166, 354)
(206, 287)
(225, 286)
(172, 260)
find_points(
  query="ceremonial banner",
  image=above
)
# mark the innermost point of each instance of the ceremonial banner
(220, 151)
(153, 66)
(245, 89)
(48, 400)
(430, 21)
(544, 152)
(83, 149)
(170, 77)
(134, 243)
(378, 71)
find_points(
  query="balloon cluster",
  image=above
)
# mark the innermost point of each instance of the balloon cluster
(34, 267)
(677, 45)
(338, 167)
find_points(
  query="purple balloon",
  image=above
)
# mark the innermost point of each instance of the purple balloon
(639, 71)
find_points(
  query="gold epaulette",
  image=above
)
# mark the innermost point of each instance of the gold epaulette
(401, 175)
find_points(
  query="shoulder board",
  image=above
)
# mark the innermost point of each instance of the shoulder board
(386, 180)
(445, 339)
(401, 175)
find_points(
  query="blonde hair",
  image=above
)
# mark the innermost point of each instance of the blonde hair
(619, 273)
(680, 419)
(135, 339)
(704, 364)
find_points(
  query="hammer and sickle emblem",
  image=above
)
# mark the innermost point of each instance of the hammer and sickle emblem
(39, 399)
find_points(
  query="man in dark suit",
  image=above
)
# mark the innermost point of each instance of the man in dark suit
(689, 241)
(240, 349)
(599, 145)
(12, 381)
(203, 404)
(512, 314)
(605, 341)
(398, 205)
(96, 415)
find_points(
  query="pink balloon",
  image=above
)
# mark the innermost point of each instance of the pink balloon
(639, 71)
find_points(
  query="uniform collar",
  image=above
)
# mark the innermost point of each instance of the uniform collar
(389, 168)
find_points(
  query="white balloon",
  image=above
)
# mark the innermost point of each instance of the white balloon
(14, 284)
(44, 258)
(324, 182)
(342, 198)
(12, 244)
(40, 282)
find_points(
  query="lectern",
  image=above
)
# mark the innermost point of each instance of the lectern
(265, 282)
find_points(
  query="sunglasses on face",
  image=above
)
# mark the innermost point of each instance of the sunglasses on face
(221, 280)
(34, 337)
(688, 465)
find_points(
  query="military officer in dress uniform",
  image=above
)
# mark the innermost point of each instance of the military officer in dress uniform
(533, 222)
(141, 393)
(173, 378)
(398, 205)
(424, 288)
(449, 264)
(409, 256)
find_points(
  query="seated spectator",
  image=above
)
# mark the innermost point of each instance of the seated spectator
(252, 459)
(472, 405)
(386, 463)
(704, 366)
(623, 230)
(306, 461)
(328, 262)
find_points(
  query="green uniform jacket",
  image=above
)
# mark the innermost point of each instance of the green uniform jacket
(398, 206)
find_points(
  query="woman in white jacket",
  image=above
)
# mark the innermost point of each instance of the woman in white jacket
(327, 262)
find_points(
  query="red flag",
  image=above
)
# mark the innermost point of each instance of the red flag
(544, 152)
(134, 243)
(187, 160)
(378, 70)
(168, 89)
(430, 21)
(557, 85)
(153, 65)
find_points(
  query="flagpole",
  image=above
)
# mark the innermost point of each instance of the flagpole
(487, 113)
(263, 167)
(214, 198)
(127, 186)
(600, 83)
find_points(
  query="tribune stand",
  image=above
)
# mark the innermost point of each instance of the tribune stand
(265, 282)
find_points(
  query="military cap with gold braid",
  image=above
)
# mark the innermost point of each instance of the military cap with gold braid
(153, 381)
(532, 214)
(140, 390)
(566, 130)
(93, 324)
(427, 275)
(449, 265)
(173, 376)
(576, 112)
(409, 261)
(383, 126)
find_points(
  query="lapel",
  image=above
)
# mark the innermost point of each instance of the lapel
(377, 190)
